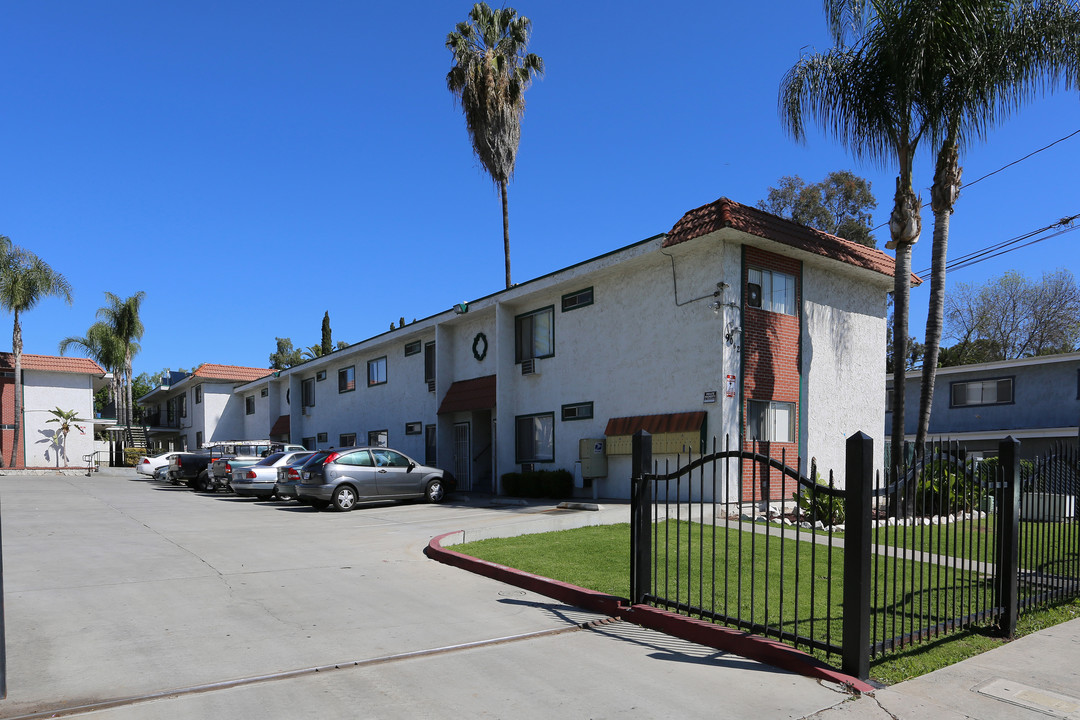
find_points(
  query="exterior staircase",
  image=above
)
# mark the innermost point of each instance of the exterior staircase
(136, 436)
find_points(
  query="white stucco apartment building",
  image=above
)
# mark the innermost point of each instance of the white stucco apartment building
(735, 324)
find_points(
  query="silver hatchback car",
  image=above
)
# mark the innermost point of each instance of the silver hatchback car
(347, 476)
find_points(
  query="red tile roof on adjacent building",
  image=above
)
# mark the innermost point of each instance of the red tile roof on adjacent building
(52, 363)
(725, 213)
(230, 372)
(475, 394)
(656, 424)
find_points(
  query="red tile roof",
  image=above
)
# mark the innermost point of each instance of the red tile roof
(725, 213)
(656, 424)
(475, 394)
(52, 363)
(230, 372)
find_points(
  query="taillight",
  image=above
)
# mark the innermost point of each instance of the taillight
(250, 475)
(294, 474)
(331, 457)
(146, 461)
(228, 468)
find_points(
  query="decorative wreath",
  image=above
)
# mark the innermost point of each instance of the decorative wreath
(479, 346)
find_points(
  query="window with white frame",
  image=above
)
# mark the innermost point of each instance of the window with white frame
(770, 421)
(376, 371)
(996, 391)
(770, 290)
(535, 438)
(535, 334)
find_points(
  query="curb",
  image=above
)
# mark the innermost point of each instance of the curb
(753, 647)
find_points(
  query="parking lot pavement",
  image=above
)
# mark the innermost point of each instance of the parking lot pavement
(175, 604)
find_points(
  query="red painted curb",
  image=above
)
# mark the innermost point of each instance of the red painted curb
(754, 647)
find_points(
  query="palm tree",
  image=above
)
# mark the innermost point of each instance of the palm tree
(488, 80)
(25, 279)
(101, 344)
(1019, 48)
(865, 95)
(122, 316)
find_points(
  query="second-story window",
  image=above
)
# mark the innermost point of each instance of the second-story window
(376, 371)
(535, 334)
(307, 391)
(346, 379)
(249, 405)
(198, 394)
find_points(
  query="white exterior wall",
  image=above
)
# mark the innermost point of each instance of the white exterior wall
(843, 366)
(45, 391)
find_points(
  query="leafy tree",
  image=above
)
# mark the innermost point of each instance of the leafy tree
(25, 279)
(327, 345)
(1012, 317)
(491, 71)
(988, 69)
(840, 204)
(285, 356)
(865, 95)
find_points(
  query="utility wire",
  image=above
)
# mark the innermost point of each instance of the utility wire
(1006, 246)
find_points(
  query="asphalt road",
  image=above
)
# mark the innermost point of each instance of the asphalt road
(128, 598)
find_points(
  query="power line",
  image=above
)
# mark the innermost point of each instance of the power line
(1006, 246)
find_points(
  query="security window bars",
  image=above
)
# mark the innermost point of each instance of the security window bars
(998, 391)
(770, 421)
(535, 334)
(772, 291)
(535, 438)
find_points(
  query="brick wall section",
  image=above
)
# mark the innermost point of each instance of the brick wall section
(7, 417)
(770, 372)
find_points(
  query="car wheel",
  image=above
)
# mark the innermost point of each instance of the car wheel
(202, 483)
(319, 504)
(344, 498)
(435, 492)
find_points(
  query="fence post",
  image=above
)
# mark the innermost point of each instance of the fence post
(1008, 535)
(640, 517)
(859, 481)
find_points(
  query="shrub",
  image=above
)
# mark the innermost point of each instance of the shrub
(829, 509)
(538, 484)
(132, 455)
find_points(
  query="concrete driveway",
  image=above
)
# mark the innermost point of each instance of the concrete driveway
(134, 599)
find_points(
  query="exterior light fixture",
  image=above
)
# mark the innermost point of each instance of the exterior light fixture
(461, 308)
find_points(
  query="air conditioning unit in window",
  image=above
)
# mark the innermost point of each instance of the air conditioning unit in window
(528, 367)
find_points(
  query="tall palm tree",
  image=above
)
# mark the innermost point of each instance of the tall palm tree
(491, 71)
(1019, 48)
(865, 95)
(101, 344)
(25, 279)
(122, 316)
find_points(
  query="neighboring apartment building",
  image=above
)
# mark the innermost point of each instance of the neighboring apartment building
(1035, 400)
(187, 410)
(48, 383)
(736, 324)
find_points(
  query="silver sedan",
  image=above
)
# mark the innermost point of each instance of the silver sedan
(258, 480)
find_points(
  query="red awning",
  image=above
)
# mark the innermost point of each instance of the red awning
(464, 395)
(656, 424)
(281, 426)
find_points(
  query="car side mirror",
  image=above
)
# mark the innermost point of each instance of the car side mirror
(411, 466)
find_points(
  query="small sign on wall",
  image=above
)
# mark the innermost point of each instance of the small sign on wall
(730, 391)
(710, 396)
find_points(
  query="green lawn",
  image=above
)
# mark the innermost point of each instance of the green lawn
(599, 558)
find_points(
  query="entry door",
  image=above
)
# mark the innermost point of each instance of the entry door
(463, 455)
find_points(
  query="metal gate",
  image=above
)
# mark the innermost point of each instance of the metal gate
(463, 455)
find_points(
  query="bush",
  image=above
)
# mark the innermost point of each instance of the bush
(132, 456)
(830, 510)
(538, 484)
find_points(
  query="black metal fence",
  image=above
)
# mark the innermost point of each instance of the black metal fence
(852, 572)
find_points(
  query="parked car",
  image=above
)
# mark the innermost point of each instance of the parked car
(350, 475)
(149, 464)
(288, 476)
(191, 468)
(259, 480)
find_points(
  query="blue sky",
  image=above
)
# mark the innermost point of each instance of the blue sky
(252, 165)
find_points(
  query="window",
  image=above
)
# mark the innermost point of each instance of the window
(575, 300)
(346, 379)
(378, 438)
(307, 393)
(346, 439)
(389, 458)
(360, 459)
(308, 442)
(249, 405)
(376, 371)
(414, 428)
(320, 437)
(577, 411)
(431, 456)
(320, 376)
(998, 391)
(535, 438)
(772, 291)
(198, 394)
(264, 392)
(412, 348)
(429, 365)
(770, 421)
(198, 439)
(535, 334)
